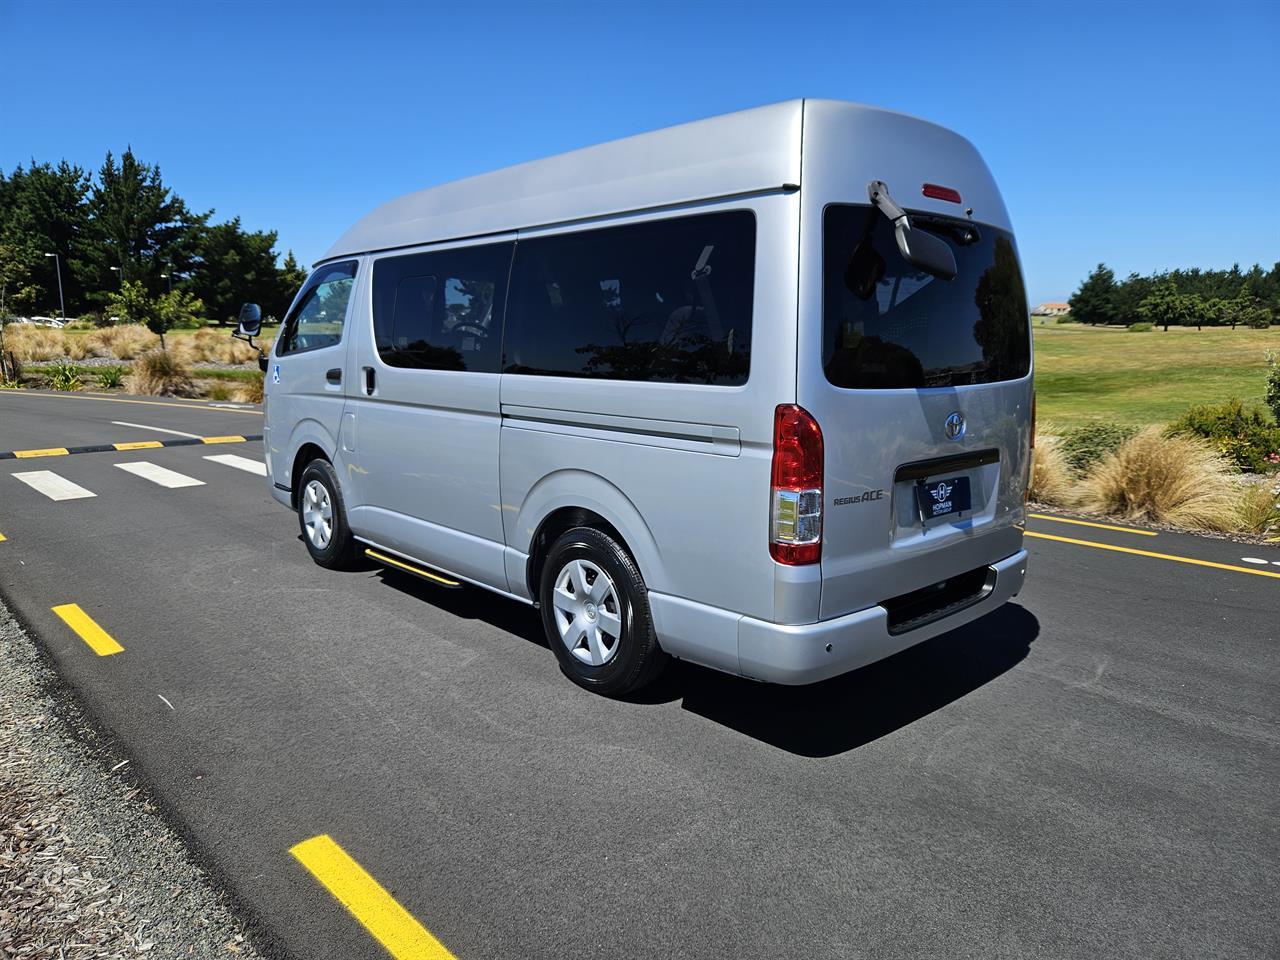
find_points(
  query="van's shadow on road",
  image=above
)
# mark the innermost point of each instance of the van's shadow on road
(819, 720)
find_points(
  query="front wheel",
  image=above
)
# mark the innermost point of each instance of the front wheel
(322, 515)
(595, 611)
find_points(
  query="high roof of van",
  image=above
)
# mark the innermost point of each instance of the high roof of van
(730, 155)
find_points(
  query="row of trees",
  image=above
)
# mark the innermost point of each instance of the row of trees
(124, 226)
(1181, 297)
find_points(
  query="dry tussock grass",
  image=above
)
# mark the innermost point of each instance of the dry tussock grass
(1052, 482)
(214, 346)
(124, 342)
(1260, 507)
(161, 374)
(33, 343)
(250, 392)
(1176, 480)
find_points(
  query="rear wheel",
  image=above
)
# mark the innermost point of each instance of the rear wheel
(595, 610)
(322, 515)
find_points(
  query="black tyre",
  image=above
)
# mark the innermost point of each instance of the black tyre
(595, 610)
(322, 515)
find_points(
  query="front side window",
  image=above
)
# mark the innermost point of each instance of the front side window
(887, 324)
(666, 300)
(441, 310)
(316, 320)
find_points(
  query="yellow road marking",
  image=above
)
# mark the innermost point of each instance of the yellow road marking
(222, 439)
(99, 641)
(412, 569)
(138, 445)
(3, 538)
(1086, 523)
(366, 900)
(1158, 556)
(145, 403)
(46, 452)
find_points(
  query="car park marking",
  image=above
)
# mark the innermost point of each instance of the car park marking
(1159, 556)
(240, 463)
(416, 571)
(99, 641)
(368, 901)
(143, 426)
(1088, 523)
(146, 403)
(53, 486)
(187, 440)
(159, 475)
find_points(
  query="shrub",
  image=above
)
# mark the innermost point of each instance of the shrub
(62, 376)
(1085, 445)
(1260, 508)
(1245, 435)
(160, 374)
(1051, 479)
(1273, 385)
(1176, 479)
(1140, 327)
(111, 378)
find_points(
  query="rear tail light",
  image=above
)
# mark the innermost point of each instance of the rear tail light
(795, 517)
(941, 193)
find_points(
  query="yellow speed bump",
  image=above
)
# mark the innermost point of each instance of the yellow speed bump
(223, 439)
(138, 445)
(1089, 523)
(99, 641)
(1159, 556)
(377, 911)
(46, 452)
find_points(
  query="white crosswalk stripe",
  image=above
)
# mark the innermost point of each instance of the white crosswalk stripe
(240, 463)
(157, 474)
(53, 486)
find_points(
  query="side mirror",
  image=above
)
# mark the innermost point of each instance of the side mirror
(250, 324)
(922, 249)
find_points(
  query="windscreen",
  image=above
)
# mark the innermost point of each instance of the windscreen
(887, 324)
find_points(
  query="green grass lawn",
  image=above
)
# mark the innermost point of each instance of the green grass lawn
(1085, 373)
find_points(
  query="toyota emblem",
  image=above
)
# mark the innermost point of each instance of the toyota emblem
(954, 426)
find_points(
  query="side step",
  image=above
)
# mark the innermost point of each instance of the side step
(437, 578)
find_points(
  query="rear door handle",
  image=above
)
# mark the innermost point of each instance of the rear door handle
(369, 382)
(334, 375)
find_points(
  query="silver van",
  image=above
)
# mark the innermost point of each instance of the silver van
(753, 392)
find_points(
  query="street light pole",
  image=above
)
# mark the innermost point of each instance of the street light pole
(119, 271)
(62, 304)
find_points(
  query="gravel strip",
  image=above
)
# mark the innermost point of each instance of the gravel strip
(87, 867)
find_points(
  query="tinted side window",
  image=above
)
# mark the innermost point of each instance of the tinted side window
(317, 318)
(441, 310)
(667, 300)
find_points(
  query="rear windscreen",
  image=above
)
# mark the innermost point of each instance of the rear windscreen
(886, 324)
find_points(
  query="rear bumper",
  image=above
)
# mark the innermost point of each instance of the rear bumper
(807, 653)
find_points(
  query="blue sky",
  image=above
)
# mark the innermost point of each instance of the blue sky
(1145, 135)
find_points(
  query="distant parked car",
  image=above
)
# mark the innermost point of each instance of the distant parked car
(47, 322)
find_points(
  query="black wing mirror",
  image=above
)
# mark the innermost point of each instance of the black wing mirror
(250, 324)
(918, 247)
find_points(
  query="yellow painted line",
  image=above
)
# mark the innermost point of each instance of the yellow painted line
(412, 569)
(3, 538)
(138, 445)
(99, 641)
(222, 439)
(368, 901)
(46, 452)
(1086, 523)
(144, 403)
(1158, 556)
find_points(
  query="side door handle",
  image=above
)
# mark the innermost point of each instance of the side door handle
(369, 382)
(334, 375)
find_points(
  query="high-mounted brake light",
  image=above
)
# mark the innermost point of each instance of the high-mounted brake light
(941, 193)
(795, 518)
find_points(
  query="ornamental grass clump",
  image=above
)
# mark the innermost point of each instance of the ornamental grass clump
(126, 341)
(1052, 482)
(160, 374)
(1178, 480)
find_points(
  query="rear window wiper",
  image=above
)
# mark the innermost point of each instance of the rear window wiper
(917, 246)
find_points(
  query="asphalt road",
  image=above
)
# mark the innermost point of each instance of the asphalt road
(1093, 770)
